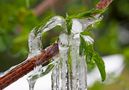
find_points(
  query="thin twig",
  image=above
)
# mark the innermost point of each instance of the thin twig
(103, 4)
(28, 65)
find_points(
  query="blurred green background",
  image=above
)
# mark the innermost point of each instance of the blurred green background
(18, 17)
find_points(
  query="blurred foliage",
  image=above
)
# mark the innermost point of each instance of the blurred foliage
(107, 41)
(120, 83)
(17, 19)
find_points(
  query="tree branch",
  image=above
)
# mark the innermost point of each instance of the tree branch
(103, 4)
(28, 65)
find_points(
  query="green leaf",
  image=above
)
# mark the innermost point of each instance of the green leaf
(48, 69)
(69, 25)
(86, 48)
(89, 13)
(82, 45)
(86, 14)
(100, 64)
(69, 60)
(86, 33)
(91, 56)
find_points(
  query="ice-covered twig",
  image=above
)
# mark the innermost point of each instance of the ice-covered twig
(28, 65)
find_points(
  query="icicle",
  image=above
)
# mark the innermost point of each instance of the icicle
(63, 52)
(71, 70)
(32, 78)
(55, 77)
(79, 71)
(35, 47)
(78, 65)
(60, 73)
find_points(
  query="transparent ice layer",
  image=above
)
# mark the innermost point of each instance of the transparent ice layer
(35, 48)
(70, 71)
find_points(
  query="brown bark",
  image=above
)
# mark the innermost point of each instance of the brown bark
(103, 4)
(28, 65)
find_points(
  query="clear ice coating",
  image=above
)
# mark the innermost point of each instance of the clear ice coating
(79, 25)
(70, 68)
(35, 36)
(70, 72)
(35, 47)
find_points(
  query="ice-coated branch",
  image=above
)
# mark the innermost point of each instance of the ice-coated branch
(28, 65)
(42, 58)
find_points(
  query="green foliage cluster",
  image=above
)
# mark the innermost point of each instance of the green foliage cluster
(85, 48)
(16, 22)
(92, 56)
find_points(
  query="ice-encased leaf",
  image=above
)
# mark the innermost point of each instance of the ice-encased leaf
(35, 47)
(86, 44)
(90, 13)
(71, 66)
(86, 48)
(100, 64)
(79, 25)
(70, 72)
(35, 36)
